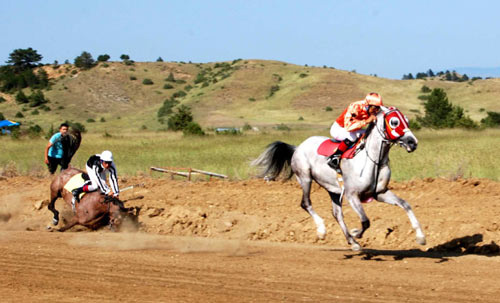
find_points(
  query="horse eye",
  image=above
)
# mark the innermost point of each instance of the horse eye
(394, 122)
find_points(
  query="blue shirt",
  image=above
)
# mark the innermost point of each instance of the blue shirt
(56, 150)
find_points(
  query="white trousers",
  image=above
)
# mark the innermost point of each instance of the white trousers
(340, 134)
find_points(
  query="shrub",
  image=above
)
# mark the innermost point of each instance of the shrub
(133, 78)
(179, 94)
(167, 86)
(21, 98)
(19, 115)
(193, 129)
(302, 75)
(328, 109)
(180, 81)
(90, 120)
(425, 89)
(147, 81)
(273, 89)
(35, 112)
(301, 118)
(247, 127)
(2, 99)
(188, 87)
(102, 119)
(423, 97)
(159, 59)
(35, 130)
(492, 120)
(283, 127)
(2, 117)
(181, 119)
(251, 99)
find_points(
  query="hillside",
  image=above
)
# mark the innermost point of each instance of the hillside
(230, 94)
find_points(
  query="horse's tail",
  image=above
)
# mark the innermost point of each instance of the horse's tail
(276, 158)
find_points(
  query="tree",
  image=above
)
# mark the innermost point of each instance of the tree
(103, 58)
(437, 110)
(84, 61)
(23, 59)
(159, 59)
(430, 73)
(124, 57)
(181, 119)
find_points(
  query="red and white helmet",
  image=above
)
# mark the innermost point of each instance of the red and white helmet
(374, 99)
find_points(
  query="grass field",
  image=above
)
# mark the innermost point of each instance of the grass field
(446, 153)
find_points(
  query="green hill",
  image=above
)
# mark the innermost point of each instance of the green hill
(257, 92)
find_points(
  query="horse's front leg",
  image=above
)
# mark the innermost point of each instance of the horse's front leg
(355, 203)
(52, 208)
(339, 216)
(391, 198)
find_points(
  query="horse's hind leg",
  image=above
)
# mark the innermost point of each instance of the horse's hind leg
(52, 208)
(305, 183)
(339, 216)
(391, 198)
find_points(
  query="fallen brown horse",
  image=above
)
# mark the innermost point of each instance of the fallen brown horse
(94, 209)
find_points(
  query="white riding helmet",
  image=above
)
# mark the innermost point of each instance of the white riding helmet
(107, 156)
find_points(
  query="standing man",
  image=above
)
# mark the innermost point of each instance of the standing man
(54, 151)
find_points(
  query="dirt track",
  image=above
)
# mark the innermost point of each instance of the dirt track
(250, 241)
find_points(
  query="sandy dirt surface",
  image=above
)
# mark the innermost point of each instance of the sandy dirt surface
(249, 241)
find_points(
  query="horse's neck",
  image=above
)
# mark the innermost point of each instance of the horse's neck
(377, 147)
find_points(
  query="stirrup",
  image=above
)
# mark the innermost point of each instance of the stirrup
(334, 163)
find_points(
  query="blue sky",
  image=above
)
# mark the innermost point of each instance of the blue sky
(387, 38)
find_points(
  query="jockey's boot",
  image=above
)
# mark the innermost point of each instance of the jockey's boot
(76, 196)
(334, 160)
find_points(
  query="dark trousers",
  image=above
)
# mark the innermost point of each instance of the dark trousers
(54, 162)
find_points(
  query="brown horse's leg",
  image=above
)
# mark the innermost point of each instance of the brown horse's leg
(51, 206)
(70, 224)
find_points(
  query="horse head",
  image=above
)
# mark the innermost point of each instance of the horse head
(397, 130)
(118, 213)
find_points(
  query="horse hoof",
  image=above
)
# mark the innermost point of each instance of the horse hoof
(355, 247)
(421, 240)
(55, 221)
(321, 232)
(356, 233)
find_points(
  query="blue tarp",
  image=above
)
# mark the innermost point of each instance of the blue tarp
(7, 123)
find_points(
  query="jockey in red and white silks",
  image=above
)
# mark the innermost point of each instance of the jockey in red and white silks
(348, 127)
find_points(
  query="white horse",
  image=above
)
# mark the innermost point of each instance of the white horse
(365, 176)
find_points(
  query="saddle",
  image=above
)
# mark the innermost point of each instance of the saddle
(329, 146)
(77, 181)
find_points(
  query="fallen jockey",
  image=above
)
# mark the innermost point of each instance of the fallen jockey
(98, 166)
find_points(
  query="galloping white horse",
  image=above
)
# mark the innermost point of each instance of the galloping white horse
(365, 176)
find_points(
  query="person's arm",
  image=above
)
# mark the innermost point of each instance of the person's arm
(113, 179)
(49, 145)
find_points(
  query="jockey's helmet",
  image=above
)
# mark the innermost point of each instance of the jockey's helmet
(106, 156)
(374, 99)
